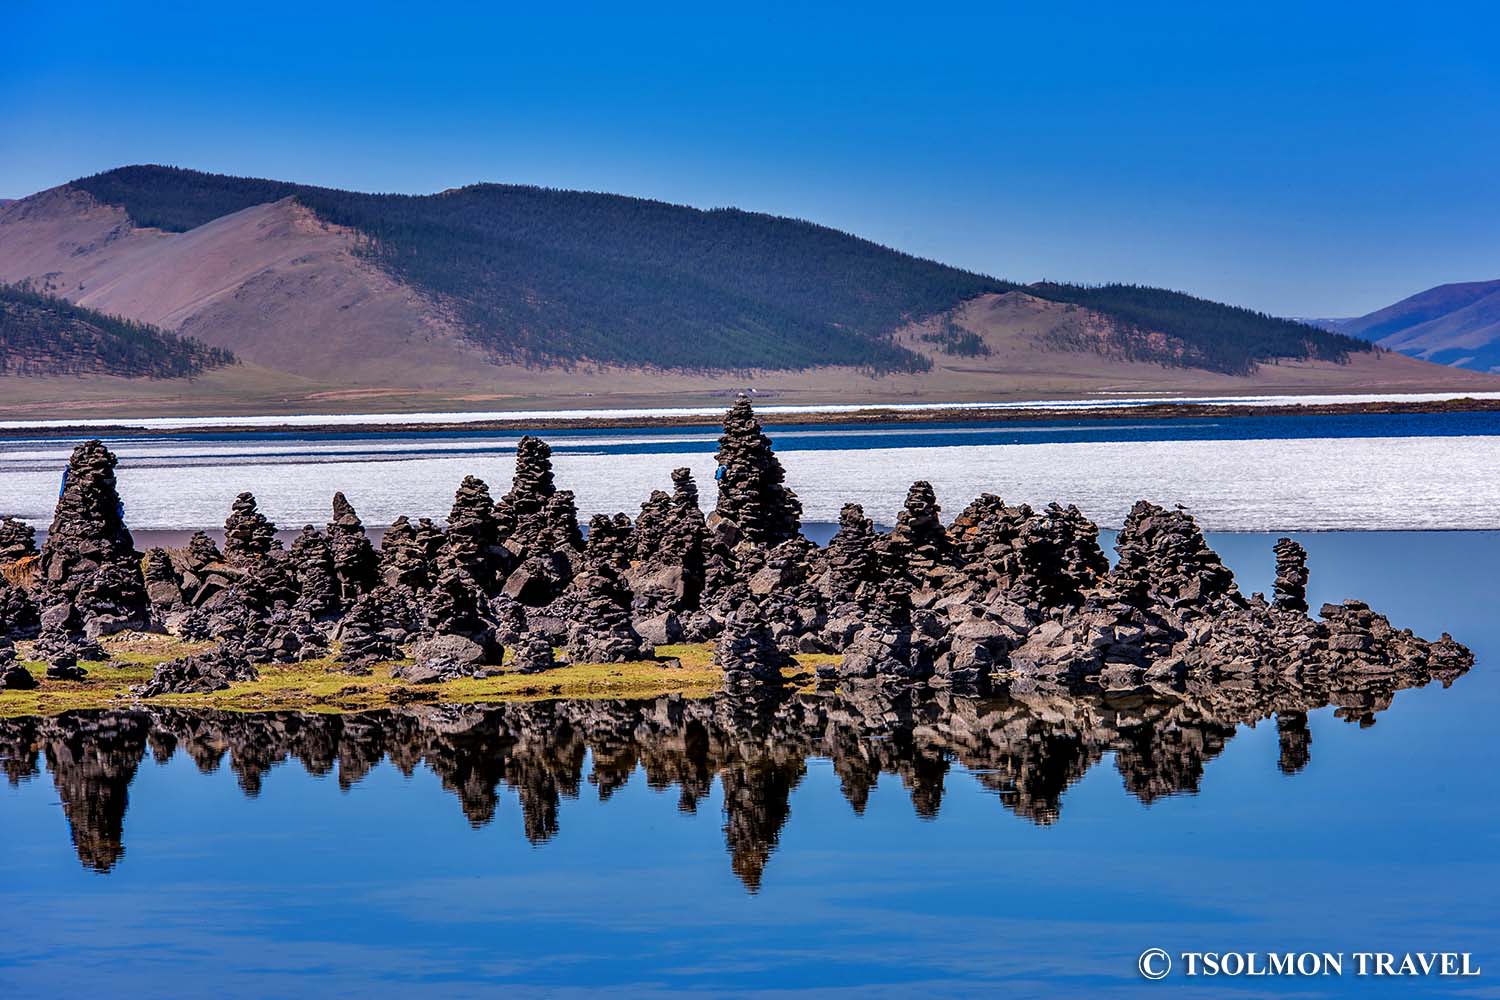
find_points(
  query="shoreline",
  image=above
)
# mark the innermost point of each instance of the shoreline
(1072, 411)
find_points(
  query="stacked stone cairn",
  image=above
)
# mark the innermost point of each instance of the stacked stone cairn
(354, 561)
(90, 571)
(248, 534)
(1003, 595)
(17, 540)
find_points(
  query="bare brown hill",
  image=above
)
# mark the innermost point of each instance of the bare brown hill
(321, 326)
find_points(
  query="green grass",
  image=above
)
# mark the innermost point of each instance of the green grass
(316, 685)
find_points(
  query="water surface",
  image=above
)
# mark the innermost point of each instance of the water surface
(1026, 847)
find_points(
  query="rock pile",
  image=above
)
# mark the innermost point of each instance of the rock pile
(354, 562)
(200, 673)
(17, 540)
(1004, 595)
(746, 651)
(1291, 576)
(248, 534)
(163, 584)
(19, 616)
(13, 676)
(752, 494)
(601, 630)
(91, 573)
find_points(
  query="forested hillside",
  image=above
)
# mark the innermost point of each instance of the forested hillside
(1178, 329)
(42, 335)
(561, 277)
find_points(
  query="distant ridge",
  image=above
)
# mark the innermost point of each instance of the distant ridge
(1456, 324)
(561, 277)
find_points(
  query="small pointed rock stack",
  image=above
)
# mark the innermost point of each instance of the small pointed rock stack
(248, 534)
(91, 572)
(163, 584)
(471, 545)
(746, 650)
(407, 558)
(535, 517)
(317, 583)
(1164, 560)
(1291, 576)
(17, 540)
(354, 561)
(918, 546)
(752, 493)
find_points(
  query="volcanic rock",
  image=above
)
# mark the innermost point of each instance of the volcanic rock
(746, 650)
(91, 574)
(17, 540)
(163, 585)
(13, 676)
(318, 591)
(200, 673)
(751, 490)
(1291, 576)
(472, 543)
(248, 534)
(532, 654)
(1165, 561)
(19, 616)
(600, 630)
(354, 562)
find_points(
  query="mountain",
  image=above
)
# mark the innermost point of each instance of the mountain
(40, 334)
(504, 293)
(1457, 324)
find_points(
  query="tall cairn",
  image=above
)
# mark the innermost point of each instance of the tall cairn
(535, 517)
(91, 572)
(248, 534)
(354, 560)
(1291, 576)
(751, 490)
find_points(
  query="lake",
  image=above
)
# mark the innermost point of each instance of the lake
(1359, 472)
(1034, 846)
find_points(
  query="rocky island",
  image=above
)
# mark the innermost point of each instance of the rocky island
(1001, 596)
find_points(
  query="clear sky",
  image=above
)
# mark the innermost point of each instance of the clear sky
(1306, 159)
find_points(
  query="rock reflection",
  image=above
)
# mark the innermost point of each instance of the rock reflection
(1027, 746)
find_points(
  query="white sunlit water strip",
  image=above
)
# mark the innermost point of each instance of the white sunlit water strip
(709, 412)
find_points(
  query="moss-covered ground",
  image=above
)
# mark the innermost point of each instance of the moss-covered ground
(320, 686)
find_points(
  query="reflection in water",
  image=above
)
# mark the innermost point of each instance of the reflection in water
(1027, 747)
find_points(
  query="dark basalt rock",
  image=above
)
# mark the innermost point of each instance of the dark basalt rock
(746, 650)
(206, 574)
(408, 554)
(752, 493)
(668, 571)
(90, 571)
(248, 534)
(533, 654)
(60, 648)
(13, 676)
(354, 562)
(887, 646)
(1291, 576)
(917, 548)
(535, 517)
(852, 558)
(472, 544)
(318, 591)
(19, 616)
(163, 584)
(449, 657)
(201, 673)
(17, 540)
(1165, 561)
(364, 634)
(600, 630)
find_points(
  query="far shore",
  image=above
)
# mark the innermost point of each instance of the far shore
(1071, 411)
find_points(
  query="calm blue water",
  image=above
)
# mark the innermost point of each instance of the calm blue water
(559, 856)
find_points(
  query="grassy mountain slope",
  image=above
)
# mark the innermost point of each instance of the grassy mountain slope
(551, 277)
(43, 335)
(1456, 324)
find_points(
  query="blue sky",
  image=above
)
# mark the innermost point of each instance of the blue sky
(1303, 161)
